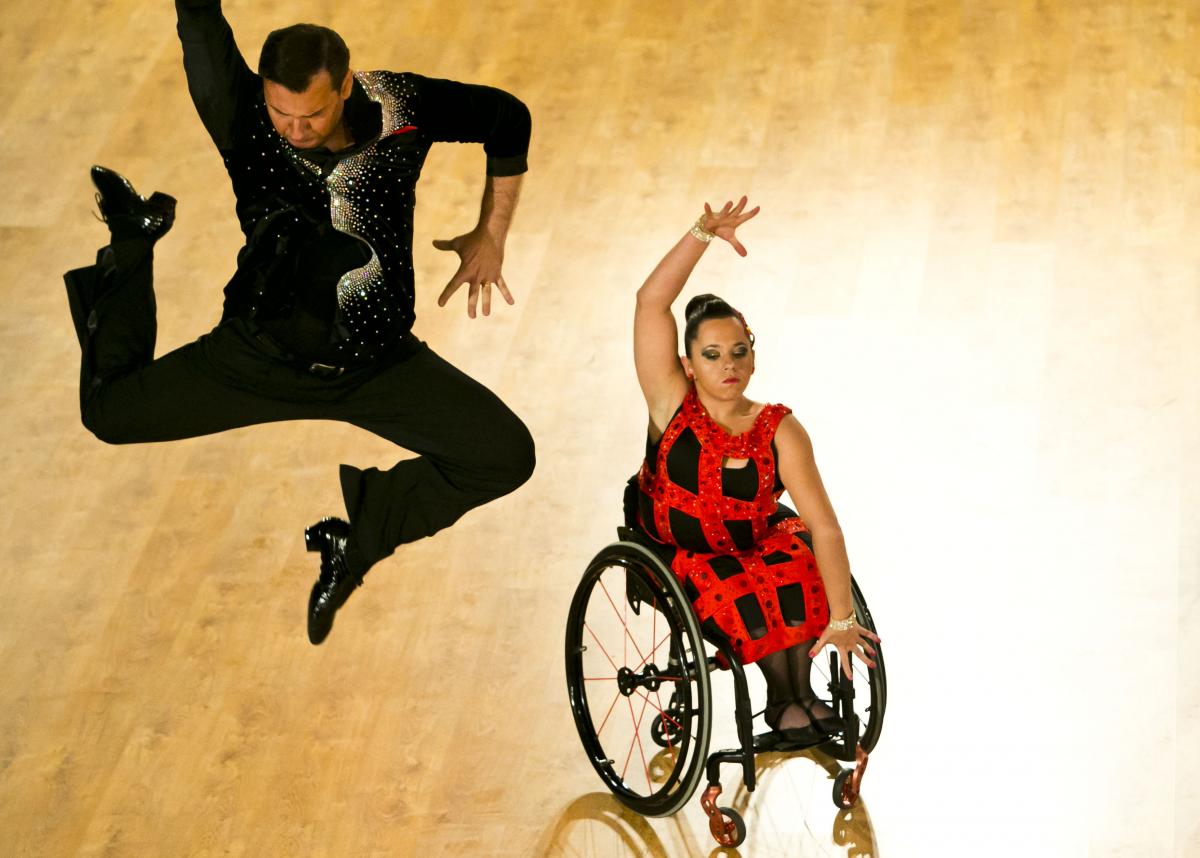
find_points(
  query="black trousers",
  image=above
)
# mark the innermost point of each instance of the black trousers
(472, 448)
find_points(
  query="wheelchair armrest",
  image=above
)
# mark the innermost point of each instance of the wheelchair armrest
(629, 534)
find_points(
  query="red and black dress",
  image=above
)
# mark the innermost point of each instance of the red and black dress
(739, 555)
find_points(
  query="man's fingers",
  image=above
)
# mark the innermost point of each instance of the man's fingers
(444, 243)
(476, 291)
(472, 299)
(503, 287)
(737, 245)
(449, 291)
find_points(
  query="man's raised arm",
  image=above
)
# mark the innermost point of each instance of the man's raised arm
(218, 78)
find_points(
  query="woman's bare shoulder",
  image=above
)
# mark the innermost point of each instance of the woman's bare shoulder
(792, 437)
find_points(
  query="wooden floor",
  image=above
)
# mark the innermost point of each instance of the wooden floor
(975, 279)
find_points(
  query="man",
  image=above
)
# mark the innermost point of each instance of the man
(317, 319)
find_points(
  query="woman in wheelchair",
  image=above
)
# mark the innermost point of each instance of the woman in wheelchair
(775, 583)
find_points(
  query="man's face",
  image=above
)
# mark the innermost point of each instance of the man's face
(307, 119)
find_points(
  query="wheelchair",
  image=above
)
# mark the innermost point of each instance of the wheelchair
(639, 681)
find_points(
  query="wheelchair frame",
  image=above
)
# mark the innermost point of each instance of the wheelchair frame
(689, 662)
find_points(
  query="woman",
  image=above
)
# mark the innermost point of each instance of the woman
(716, 463)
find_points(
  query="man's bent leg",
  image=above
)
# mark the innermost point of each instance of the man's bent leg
(472, 449)
(128, 397)
(113, 308)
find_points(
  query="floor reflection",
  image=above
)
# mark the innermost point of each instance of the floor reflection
(596, 824)
(791, 812)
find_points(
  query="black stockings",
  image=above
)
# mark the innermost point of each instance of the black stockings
(791, 701)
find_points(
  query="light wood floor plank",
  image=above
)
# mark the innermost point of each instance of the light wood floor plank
(974, 279)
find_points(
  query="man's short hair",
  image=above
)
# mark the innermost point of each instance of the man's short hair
(292, 56)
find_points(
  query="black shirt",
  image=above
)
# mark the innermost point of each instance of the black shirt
(361, 197)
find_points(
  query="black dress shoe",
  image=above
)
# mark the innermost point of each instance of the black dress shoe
(128, 214)
(336, 581)
(816, 730)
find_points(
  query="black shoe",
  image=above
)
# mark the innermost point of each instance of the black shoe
(816, 730)
(336, 581)
(128, 214)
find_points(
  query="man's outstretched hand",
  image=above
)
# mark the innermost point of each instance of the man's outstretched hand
(480, 259)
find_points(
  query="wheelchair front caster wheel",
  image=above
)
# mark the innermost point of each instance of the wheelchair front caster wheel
(844, 793)
(729, 829)
(665, 732)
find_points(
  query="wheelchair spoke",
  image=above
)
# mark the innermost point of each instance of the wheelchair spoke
(664, 717)
(637, 741)
(664, 714)
(602, 649)
(657, 647)
(611, 707)
(624, 623)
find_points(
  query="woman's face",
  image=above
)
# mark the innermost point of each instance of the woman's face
(721, 360)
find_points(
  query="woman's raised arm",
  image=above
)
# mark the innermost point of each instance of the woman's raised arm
(655, 334)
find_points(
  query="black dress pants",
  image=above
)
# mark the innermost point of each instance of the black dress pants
(471, 447)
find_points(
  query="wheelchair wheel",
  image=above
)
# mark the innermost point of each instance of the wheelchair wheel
(637, 677)
(870, 686)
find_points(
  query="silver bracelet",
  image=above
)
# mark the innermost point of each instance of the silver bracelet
(843, 625)
(700, 232)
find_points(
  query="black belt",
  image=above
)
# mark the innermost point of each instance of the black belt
(405, 345)
(280, 352)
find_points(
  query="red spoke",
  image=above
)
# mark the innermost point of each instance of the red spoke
(653, 651)
(602, 649)
(653, 635)
(611, 706)
(654, 621)
(642, 748)
(624, 626)
(664, 713)
(637, 740)
(599, 679)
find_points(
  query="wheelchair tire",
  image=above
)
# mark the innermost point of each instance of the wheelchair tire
(621, 655)
(840, 783)
(736, 837)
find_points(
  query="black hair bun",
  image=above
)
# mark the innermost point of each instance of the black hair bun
(702, 304)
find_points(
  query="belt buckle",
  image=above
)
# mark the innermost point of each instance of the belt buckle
(325, 370)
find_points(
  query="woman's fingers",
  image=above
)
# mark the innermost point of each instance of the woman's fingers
(748, 215)
(845, 659)
(820, 644)
(865, 654)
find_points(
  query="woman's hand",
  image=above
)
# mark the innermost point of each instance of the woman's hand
(853, 641)
(724, 223)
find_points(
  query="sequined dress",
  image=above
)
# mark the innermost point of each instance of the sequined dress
(744, 565)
